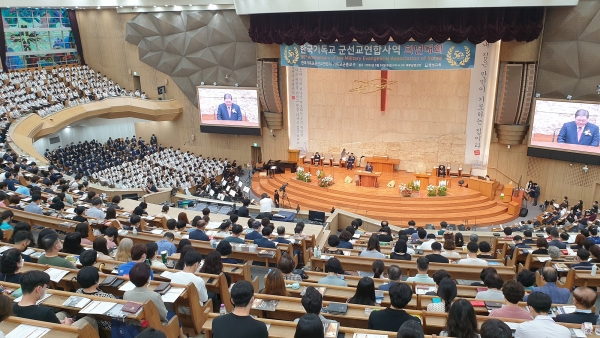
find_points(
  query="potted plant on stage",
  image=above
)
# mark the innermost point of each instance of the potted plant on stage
(405, 191)
(302, 175)
(325, 182)
(415, 187)
(442, 189)
(431, 190)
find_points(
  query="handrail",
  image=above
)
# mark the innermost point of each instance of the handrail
(497, 170)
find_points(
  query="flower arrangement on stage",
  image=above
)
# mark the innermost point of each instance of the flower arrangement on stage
(431, 190)
(414, 185)
(442, 190)
(325, 182)
(320, 174)
(405, 191)
(303, 176)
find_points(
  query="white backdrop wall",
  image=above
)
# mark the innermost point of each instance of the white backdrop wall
(93, 129)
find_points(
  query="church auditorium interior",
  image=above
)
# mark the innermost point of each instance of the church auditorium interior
(251, 168)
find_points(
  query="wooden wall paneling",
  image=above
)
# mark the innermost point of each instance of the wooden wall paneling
(105, 50)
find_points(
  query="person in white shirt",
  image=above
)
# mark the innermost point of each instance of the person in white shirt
(430, 240)
(494, 283)
(192, 261)
(266, 203)
(542, 325)
(472, 259)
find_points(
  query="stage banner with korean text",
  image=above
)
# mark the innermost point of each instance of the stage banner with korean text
(297, 79)
(392, 56)
(480, 114)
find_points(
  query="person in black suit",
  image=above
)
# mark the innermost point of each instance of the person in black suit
(350, 162)
(229, 110)
(436, 256)
(264, 242)
(584, 299)
(519, 242)
(317, 158)
(528, 237)
(199, 233)
(243, 210)
(556, 240)
(281, 235)
(582, 257)
(369, 167)
(255, 234)
(385, 233)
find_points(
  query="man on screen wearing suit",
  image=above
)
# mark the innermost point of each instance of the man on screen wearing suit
(229, 110)
(580, 131)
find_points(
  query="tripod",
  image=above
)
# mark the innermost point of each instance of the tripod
(285, 197)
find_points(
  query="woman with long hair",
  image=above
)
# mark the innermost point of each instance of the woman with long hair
(378, 268)
(365, 292)
(182, 244)
(447, 292)
(459, 240)
(449, 247)
(274, 284)
(373, 250)
(111, 216)
(213, 264)
(10, 264)
(153, 256)
(461, 321)
(83, 230)
(100, 245)
(72, 244)
(124, 250)
(181, 262)
(183, 217)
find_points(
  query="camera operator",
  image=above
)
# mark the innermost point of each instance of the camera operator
(276, 198)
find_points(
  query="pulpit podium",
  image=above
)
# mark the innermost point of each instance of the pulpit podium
(486, 188)
(367, 179)
(424, 178)
(382, 163)
(293, 155)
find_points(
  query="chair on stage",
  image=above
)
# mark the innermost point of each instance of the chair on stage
(429, 227)
(335, 161)
(461, 227)
(466, 170)
(454, 169)
(308, 158)
(327, 159)
(452, 227)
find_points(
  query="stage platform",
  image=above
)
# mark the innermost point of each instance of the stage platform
(460, 206)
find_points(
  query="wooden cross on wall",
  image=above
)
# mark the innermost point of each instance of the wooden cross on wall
(384, 90)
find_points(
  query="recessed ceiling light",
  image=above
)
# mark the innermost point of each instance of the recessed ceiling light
(121, 6)
(98, 7)
(190, 5)
(154, 6)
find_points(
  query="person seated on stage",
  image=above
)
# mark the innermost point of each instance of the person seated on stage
(317, 158)
(369, 167)
(441, 172)
(350, 162)
(436, 256)
(584, 299)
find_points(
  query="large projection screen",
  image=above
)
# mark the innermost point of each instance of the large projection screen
(229, 110)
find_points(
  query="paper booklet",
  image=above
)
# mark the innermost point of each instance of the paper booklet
(75, 301)
(266, 305)
(28, 331)
(97, 307)
(172, 295)
(56, 274)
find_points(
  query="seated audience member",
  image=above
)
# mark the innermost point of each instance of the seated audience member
(264, 241)
(243, 210)
(422, 276)
(485, 250)
(436, 256)
(472, 259)
(275, 284)
(528, 240)
(34, 205)
(444, 228)
(255, 233)
(79, 214)
(309, 326)
(447, 292)
(214, 265)
(461, 321)
(236, 231)
(542, 246)
(513, 293)
(595, 253)
(438, 276)
(34, 284)
(10, 266)
(83, 230)
(192, 261)
(52, 246)
(582, 258)
(449, 247)
(459, 240)
(138, 255)
(96, 210)
(385, 233)
(393, 316)
(527, 279)
(166, 244)
(394, 275)
(333, 268)
(224, 248)
(473, 238)
(124, 250)
(430, 240)
(199, 233)
(345, 238)
(89, 278)
(312, 302)
(72, 244)
(495, 328)
(373, 249)
(411, 329)
(400, 251)
(281, 235)
(557, 295)
(153, 256)
(542, 325)
(584, 299)
(508, 233)
(151, 333)
(494, 283)
(88, 258)
(114, 202)
(139, 274)
(111, 234)
(365, 292)
(518, 240)
(22, 239)
(332, 246)
(579, 239)
(6, 218)
(238, 323)
(378, 268)
(286, 265)
(556, 240)
(555, 254)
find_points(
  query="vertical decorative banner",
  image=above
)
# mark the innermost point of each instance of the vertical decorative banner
(480, 116)
(297, 79)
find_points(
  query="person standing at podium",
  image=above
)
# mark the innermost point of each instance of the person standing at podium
(369, 167)
(350, 162)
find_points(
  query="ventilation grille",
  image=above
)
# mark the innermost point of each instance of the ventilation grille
(54, 140)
